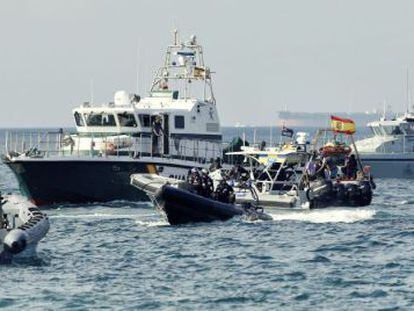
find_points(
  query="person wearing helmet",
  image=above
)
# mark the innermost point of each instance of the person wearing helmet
(207, 187)
(224, 192)
(194, 180)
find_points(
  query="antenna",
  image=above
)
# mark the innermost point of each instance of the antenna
(254, 136)
(408, 91)
(138, 57)
(270, 135)
(175, 33)
(91, 91)
(176, 38)
(351, 101)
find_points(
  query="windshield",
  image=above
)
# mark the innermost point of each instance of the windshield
(127, 120)
(99, 119)
(408, 128)
(392, 130)
(78, 119)
(376, 130)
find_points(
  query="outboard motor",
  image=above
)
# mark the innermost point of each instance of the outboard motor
(353, 191)
(319, 189)
(15, 241)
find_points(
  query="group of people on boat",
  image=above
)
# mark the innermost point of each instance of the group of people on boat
(333, 162)
(202, 184)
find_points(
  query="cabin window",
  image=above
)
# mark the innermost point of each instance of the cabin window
(78, 119)
(379, 131)
(144, 119)
(409, 129)
(376, 131)
(98, 119)
(392, 130)
(127, 120)
(179, 122)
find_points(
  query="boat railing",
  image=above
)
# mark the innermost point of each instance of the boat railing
(38, 144)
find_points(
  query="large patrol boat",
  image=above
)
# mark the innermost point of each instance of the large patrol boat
(176, 127)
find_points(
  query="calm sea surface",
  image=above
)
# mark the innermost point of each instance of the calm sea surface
(123, 256)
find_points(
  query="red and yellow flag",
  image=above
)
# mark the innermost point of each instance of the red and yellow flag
(341, 125)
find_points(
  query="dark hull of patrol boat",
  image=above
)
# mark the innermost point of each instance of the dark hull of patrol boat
(48, 182)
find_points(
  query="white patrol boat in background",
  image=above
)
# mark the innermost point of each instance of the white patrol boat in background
(390, 151)
(173, 129)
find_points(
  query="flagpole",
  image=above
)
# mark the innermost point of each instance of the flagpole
(280, 138)
(270, 136)
(357, 154)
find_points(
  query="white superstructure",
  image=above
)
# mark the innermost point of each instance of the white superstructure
(390, 149)
(177, 119)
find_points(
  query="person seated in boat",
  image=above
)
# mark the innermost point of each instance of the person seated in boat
(207, 187)
(194, 180)
(351, 167)
(239, 173)
(224, 193)
(215, 164)
(331, 168)
(396, 131)
(318, 169)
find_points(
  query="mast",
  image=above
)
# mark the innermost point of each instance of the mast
(138, 67)
(408, 92)
(183, 70)
(91, 91)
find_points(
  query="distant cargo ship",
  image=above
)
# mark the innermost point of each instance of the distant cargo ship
(321, 119)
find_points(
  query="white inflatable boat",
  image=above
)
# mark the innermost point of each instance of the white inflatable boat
(22, 226)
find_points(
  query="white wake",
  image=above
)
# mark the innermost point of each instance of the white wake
(101, 215)
(325, 215)
(152, 223)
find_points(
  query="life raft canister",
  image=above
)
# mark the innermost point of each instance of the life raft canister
(68, 141)
(338, 149)
(109, 148)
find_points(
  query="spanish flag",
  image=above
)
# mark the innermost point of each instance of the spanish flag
(340, 125)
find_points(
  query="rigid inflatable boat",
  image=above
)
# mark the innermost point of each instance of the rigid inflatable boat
(22, 226)
(175, 200)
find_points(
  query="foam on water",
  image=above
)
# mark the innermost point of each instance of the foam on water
(99, 215)
(152, 223)
(325, 215)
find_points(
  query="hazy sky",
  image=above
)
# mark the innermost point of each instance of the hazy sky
(308, 55)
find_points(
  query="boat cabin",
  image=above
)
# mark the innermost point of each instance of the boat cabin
(389, 136)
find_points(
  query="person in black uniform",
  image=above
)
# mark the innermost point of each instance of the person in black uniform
(207, 187)
(194, 180)
(224, 193)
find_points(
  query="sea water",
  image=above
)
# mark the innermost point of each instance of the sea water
(123, 255)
